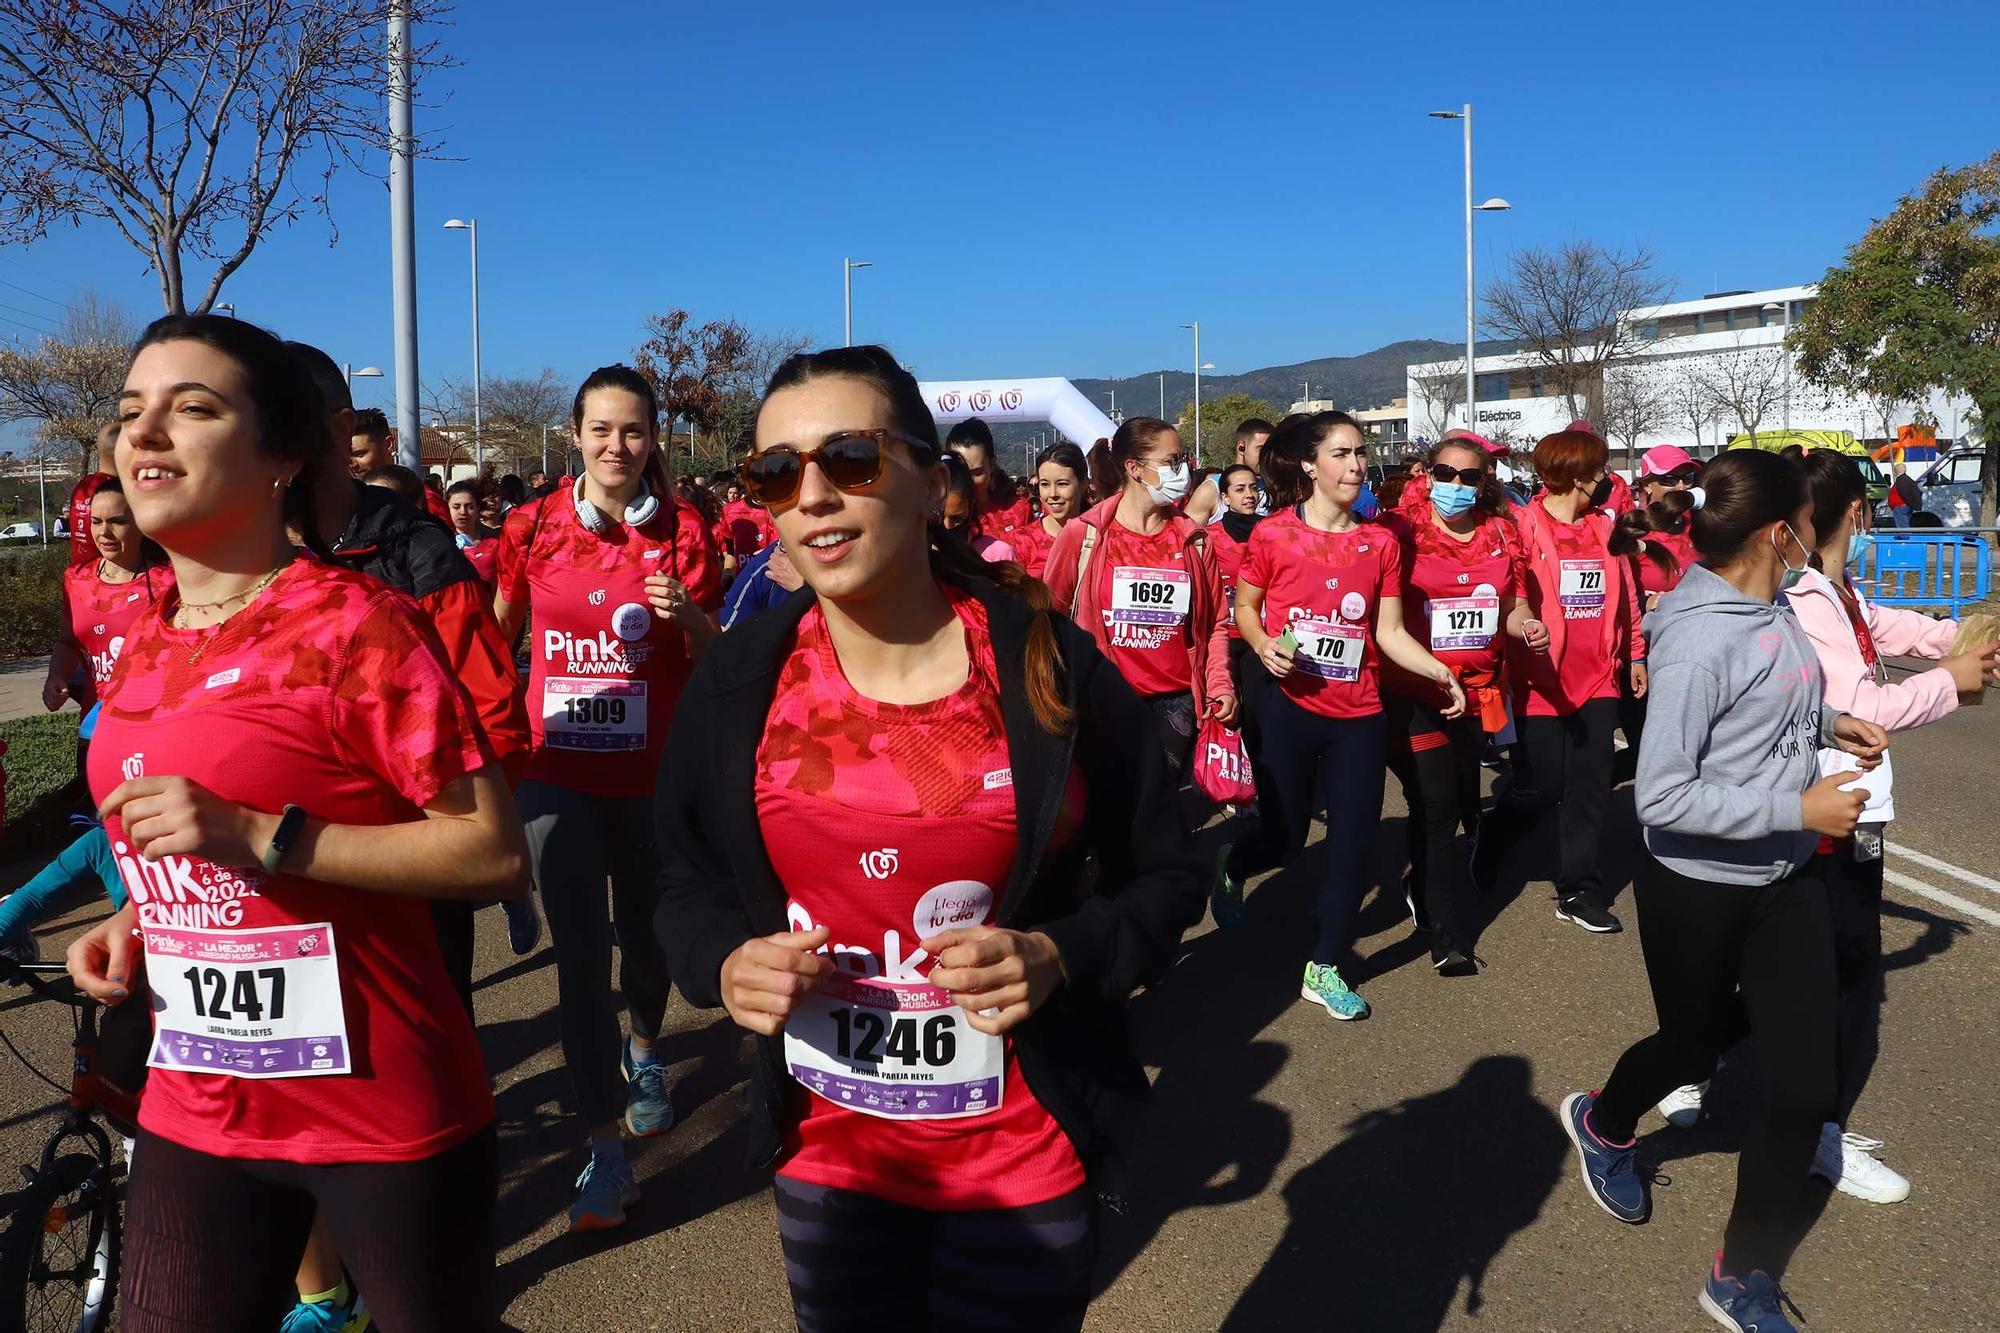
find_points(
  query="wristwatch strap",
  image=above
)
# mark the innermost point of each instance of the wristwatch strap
(289, 825)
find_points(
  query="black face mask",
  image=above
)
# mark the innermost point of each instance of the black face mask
(1601, 491)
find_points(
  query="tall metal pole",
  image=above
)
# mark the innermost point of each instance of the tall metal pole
(1197, 391)
(545, 451)
(478, 439)
(403, 238)
(1786, 325)
(42, 485)
(1163, 395)
(1471, 383)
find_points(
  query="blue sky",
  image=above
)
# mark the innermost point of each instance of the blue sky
(1055, 187)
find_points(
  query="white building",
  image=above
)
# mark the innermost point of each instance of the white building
(1698, 370)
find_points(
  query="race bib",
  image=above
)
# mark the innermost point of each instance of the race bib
(581, 713)
(1150, 596)
(1464, 622)
(1582, 584)
(1330, 651)
(247, 1003)
(899, 1050)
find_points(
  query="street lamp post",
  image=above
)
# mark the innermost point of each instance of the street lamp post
(478, 439)
(1785, 322)
(1163, 395)
(1196, 326)
(1490, 206)
(847, 267)
(350, 374)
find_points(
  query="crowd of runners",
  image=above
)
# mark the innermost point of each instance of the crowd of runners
(899, 760)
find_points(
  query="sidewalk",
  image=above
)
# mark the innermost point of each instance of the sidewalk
(21, 688)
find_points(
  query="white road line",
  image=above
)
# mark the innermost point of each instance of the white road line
(1946, 868)
(1951, 900)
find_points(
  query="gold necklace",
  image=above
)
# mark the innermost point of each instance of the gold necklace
(180, 611)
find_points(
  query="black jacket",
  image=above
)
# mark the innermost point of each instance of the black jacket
(1119, 933)
(392, 540)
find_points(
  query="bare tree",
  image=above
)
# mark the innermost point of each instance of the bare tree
(743, 389)
(195, 127)
(69, 383)
(1634, 403)
(517, 408)
(1745, 382)
(1440, 398)
(1687, 397)
(1566, 308)
(690, 366)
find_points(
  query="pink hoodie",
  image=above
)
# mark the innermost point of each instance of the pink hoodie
(1850, 686)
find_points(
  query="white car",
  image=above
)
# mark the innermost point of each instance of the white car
(1951, 487)
(21, 532)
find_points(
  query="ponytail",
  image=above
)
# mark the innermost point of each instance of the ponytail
(1667, 514)
(953, 558)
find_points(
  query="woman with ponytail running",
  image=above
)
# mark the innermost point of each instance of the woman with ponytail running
(1140, 577)
(875, 811)
(1319, 600)
(1733, 917)
(1062, 486)
(620, 574)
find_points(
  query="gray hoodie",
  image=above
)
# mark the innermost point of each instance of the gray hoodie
(1734, 718)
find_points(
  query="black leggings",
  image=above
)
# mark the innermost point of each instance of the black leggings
(858, 1262)
(1435, 780)
(211, 1243)
(1720, 958)
(1854, 900)
(1305, 760)
(1175, 714)
(1564, 763)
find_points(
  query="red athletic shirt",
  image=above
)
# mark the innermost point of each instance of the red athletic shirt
(435, 505)
(1585, 672)
(1229, 557)
(1326, 586)
(607, 671)
(101, 614)
(82, 548)
(484, 556)
(887, 823)
(1031, 543)
(328, 691)
(1652, 578)
(1452, 602)
(1017, 513)
(1147, 590)
(750, 529)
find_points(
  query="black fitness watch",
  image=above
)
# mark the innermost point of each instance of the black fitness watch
(289, 825)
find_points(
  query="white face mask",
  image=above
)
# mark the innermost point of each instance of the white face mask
(1173, 487)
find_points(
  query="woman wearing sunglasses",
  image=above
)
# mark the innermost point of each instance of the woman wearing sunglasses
(1062, 487)
(874, 812)
(1320, 602)
(620, 574)
(1141, 577)
(1566, 699)
(1463, 578)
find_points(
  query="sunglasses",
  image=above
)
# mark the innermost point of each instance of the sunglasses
(1681, 476)
(1466, 476)
(851, 460)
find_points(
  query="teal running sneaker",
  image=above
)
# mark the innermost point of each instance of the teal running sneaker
(649, 1107)
(1225, 900)
(603, 1192)
(328, 1316)
(1324, 987)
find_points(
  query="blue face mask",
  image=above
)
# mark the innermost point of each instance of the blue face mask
(1858, 546)
(1451, 499)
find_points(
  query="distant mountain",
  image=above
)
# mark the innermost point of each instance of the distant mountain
(1372, 379)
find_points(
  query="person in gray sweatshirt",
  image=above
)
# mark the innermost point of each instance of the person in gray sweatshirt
(1733, 923)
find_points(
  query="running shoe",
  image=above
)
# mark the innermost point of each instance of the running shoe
(1225, 900)
(1324, 987)
(603, 1192)
(1755, 1304)
(649, 1104)
(349, 1316)
(1682, 1106)
(524, 924)
(1609, 1170)
(1846, 1162)
(1453, 957)
(1420, 919)
(1586, 910)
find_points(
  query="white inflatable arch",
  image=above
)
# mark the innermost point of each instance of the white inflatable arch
(1052, 399)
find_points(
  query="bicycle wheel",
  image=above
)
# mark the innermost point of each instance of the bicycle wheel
(59, 1254)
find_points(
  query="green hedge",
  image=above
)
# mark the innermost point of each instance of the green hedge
(41, 781)
(31, 599)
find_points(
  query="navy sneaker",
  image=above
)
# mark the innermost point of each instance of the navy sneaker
(1608, 1169)
(1755, 1304)
(649, 1103)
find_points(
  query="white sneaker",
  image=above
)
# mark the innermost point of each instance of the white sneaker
(1844, 1161)
(1682, 1106)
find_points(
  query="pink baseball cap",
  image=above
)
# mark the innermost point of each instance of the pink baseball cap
(1470, 437)
(1663, 459)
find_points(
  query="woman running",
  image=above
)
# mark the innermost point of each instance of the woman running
(1566, 700)
(875, 811)
(1464, 568)
(1732, 918)
(998, 510)
(1320, 602)
(1141, 579)
(287, 767)
(1851, 637)
(619, 575)
(1062, 484)
(468, 528)
(961, 509)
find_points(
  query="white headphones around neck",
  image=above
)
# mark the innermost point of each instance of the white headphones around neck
(595, 520)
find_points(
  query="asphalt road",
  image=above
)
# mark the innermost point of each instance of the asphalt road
(1405, 1173)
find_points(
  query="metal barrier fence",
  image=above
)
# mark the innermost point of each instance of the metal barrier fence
(1947, 567)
